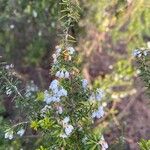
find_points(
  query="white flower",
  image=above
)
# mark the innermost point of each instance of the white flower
(68, 129)
(47, 97)
(9, 134)
(92, 97)
(84, 83)
(66, 120)
(66, 74)
(9, 66)
(137, 53)
(54, 58)
(30, 88)
(99, 94)
(40, 33)
(62, 74)
(45, 109)
(63, 135)
(104, 146)
(62, 92)
(8, 91)
(21, 132)
(57, 53)
(103, 143)
(99, 113)
(94, 114)
(58, 50)
(34, 13)
(49, 100)
(56, 99)
(52, 99)
(145, 53)
(71, 50)
(12, 26)
(54, 85)
(58, 74)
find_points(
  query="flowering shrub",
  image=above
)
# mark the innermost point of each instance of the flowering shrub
(62, 116)
(66, 111)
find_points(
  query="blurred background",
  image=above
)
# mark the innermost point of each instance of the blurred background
(106, 34)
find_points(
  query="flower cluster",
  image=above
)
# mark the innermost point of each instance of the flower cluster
(56, 92)
(98, 95)
(139, 52)
(68, 128)
(9, 134)
(69, 52)
(62, 74)
(68, 108)
(84, 84)
(11, 66)
(45, 110)
(8, 91)
(99, 113)
(30, 89)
